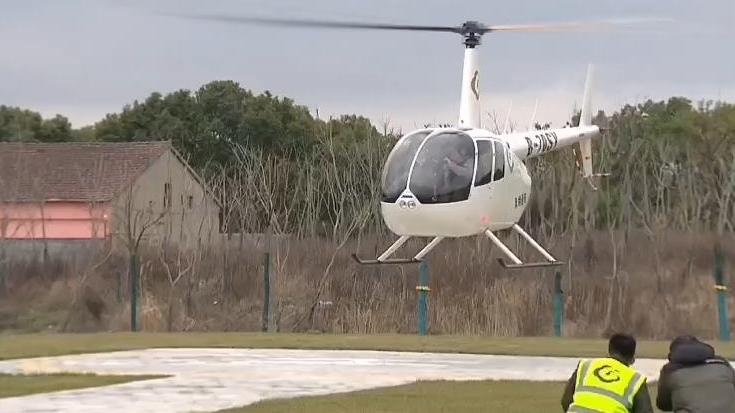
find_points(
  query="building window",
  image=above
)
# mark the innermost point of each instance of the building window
(166, 195)
(190, 202)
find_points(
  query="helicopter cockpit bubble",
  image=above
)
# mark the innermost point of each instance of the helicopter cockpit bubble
(398, 165)
(444, 168)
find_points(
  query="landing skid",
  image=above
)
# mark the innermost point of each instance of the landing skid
(517, 263)
(383, 258)
(388, 261)
(529, 265)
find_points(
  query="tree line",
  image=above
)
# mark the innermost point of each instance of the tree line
(670, 162)
(205, 125)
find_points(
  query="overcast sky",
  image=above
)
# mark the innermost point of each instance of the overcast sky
(84, 59)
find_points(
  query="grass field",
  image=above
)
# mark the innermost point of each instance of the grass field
(21, 385)
(430, 397)
(37, 345)
(425, 397)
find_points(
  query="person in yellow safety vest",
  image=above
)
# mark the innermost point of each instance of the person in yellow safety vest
(608, 385)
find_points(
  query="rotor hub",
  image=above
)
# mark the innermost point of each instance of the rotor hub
(471, 40)
(472, 31)
(472, 27)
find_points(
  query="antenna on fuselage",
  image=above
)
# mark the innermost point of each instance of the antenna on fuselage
(533, 117)
(507, 118)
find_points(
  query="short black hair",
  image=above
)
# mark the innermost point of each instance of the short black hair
(687, 341)
(622, 345)
(682, 340)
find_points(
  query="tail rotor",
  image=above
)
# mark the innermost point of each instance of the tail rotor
(583, 151)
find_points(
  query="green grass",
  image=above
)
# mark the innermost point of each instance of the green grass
(430, 397)
(427, 397)
(36, 345)
(12, 385)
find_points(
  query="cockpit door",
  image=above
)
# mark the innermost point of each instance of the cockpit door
(485, 162)
(499, 164)
(492, 157)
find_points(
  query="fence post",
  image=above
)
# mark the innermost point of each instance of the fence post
(721, 295)
(120, 286)
(558, 305)
(423, 289)
(269, 281)
(266, 290)
(134, 293)
(2, 270)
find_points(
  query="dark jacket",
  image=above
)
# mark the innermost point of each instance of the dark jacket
(695, 380)
(641, 400)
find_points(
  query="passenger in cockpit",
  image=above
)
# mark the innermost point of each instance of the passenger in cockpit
(460, 162)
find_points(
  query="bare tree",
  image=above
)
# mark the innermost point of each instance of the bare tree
(348, 213)
(135, 225)
(176, 267)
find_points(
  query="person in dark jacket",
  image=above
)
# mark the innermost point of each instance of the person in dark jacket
(695, 380)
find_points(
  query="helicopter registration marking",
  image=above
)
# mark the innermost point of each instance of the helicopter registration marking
(541, 142)
(521, 200)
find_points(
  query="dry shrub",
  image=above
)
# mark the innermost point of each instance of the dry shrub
(470, 293)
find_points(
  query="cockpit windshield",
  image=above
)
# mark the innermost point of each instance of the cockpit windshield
(398, 164)
(444, 169)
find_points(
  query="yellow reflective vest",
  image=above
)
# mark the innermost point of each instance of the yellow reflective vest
(605, 386)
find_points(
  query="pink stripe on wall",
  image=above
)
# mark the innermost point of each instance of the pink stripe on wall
(54, 220)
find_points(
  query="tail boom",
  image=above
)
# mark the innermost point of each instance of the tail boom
(534, 143)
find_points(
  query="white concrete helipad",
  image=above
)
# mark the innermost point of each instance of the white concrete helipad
(205, 380)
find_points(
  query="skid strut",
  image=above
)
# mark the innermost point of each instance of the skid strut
(383, 258)
(517, 263)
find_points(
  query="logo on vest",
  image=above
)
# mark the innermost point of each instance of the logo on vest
(607, 374)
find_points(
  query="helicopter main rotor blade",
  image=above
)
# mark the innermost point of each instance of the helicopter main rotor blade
(579, 26)
(470, 27)
(320, 23)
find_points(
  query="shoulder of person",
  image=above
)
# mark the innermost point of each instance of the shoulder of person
(717, 360)
(668, 367)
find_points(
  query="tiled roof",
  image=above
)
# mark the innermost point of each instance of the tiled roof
(72, 171)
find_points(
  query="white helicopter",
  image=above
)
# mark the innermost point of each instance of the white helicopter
(463, 181)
